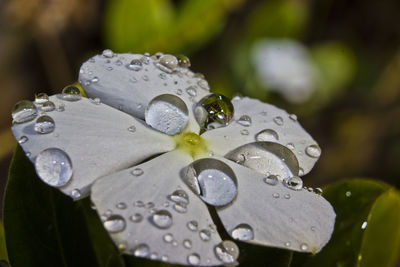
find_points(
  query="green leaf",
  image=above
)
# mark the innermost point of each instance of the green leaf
(3, 248)
(46, 228)
(367, 229)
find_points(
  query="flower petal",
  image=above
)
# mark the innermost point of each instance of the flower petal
(90, 139)
(159, 216)
(274, 215)
(258, 121)
(130, 81)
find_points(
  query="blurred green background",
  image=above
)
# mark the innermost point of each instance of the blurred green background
(336, 64)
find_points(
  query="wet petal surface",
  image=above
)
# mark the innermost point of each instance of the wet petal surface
(87, 140)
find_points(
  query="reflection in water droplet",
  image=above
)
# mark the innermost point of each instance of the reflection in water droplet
(141, 250)
(227, 252)
(41, 98)
(54, 167)
(193, 225)
(48, 106)
(167, 113)
(271, 180)
(22, 140)
(278, 120)
(214, 111)
(294, 183)
(71, 93)
(318, 191)
(76, 193)
(44, 125)
(193, 259)
(243, 232)
(244, 120)
(115, 224)
(168, 238)
(136, 65)
(313, 151)
(167, 63)
(162, 219)
(267, 135)
(183, 61)
(137, 172)
(24, 111)
(205, 235)
(137, 217)
(179, 196)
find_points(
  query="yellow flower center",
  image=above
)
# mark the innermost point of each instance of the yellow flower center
(191, 143)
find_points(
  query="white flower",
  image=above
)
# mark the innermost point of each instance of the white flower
(136, 148)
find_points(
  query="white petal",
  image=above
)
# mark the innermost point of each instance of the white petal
(263, 116)
(278, 216)
(96, 139)
(118, 85)
(151, 184)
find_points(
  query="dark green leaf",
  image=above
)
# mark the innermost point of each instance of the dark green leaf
(3, 248)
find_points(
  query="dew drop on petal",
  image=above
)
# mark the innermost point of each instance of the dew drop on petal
(227, 252)
(193, 259)
(54, 167)
(318, 191)
(141, 250)
(137, 217)
(180, 207)
(179, 196)
(23, 139)
(183, 61)
(244, 132)
(214, 111)
(193, 225)
(205, 235)
(294, 183)
(121, 206)
(288, 244)
(304, 247)
(275, 195)
(41, 98)
(268, 135)
(293, 117)
(76, 193)
(107, 53)
(136, 65)
(115, 224)
(139, 204)
(243, 232)
(244, 120)
(313, 151)
(271, 180)
(167, 63)
(191, 90)
(278, 120)
(71, 93)
(162, 219)
(137, 172)
(44, 125)
(287, 196)
(187, 243)
(24, 111)
(168, 238)
(48, 106)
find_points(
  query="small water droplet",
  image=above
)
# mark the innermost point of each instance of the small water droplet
(162, 219)
(287, 244)
(304, 247)
(287, 196)
(364, 225)
(203, 84)
(168, 238)
(294, 183)
(44, 125)
(136, 217)
(313, 151)
(115, 224)
(183, 61)
(244, 132)
(28, 154)
(137, 172)
(95, 101)
(132, 128)
(301, 172)
(54, 167)
(179, 196)
(179, 92)
(24, 111)
(187, 243)
(193, 225)
(313, 228)
(180, 207)
(48, 106)
(60, 108)
(41, 98)
(244, 120)
(71, 93)
(193, 259)
(150, 205)
(175, 243)
(118, 62)
(164, 258)
(243, 232)
(191, 90)
(271, 180)
(318, 191)
(278, 120)
(145, 78)
(23, 139)
(348, 193)
(136, 65)
(121, 205)
(108, 53)
(227, 252)
(76, 193)
(275, 195)
(268, 135)
(214, 111)
(109, 68)
(205, 235)
(139, 204)
(141, 250)
(290, 146)
(293, 117)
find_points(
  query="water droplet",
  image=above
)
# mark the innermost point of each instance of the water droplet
(287, 244)
(54, 167)
(115, 224)
(48, 106)
(179, 92)
(136, 65)
(164, 258)
(168, 238)
(313, 228)
(244, 132)
(278, 120)
(24, 111)
(139, 204)
(71, 93)
(118, 62)
(193, 259)
(137, 172)
(122, 246)
(293, 117)
(95, 101)
(205, 235)
(137, 217)
(213, 180)
(141, 250)
(191, 90)
(227, 252)
(313, 151)
(244, 120)
(271, 180)
(268, 135)
(180, 207)
(304, 247)
(187, 243)
(183, 61)
(348, 193)
(162, 219)
(287, 196)
(275, 195)
(41, 98)
(44, 125)
(22, 140)
(108, 53)
(203, 84)
(318, 191)
(132, 128)
(193, 225)
(28, 154)
(179, 196)
(167, 63)
(109, 68)
(175, 243)
(214, 111)
(167, 113)
(76, 193)
(290, 146)
(121, 206)
(364, 225)
(60, 108)
(294, 183)
(243, 232)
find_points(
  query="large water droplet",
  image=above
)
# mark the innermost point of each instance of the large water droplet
(213, 180)
(267, 135)
(243, 232)
(115, 224)
(244, 120)
(141, 250)
(227, 252)
(179, 196)
(205, 235)
(162, 219)
(193, 259)
(48, 106)
(71, 93)
(294, 183)
(54, 167)
(313, 151)
(167, 63)
(44, 125)
(214, 111)
(24, 111)
(167, 113)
